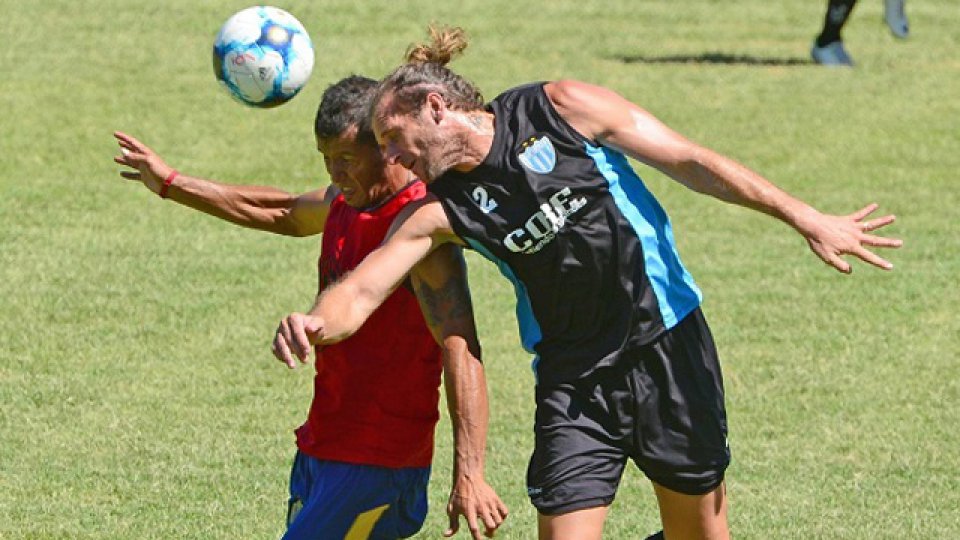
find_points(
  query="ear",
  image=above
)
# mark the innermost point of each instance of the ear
(436, 107)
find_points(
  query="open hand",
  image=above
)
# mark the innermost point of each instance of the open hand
(831, 237)
(150, 169)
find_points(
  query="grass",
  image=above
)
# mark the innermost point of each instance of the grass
(139, 396)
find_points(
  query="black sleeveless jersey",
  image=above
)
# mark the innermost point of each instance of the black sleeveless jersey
(589, 250)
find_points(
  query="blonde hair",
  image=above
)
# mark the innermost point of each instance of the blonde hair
(447, 42)
(425, 71)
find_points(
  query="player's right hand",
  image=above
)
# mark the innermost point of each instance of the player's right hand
(151, 170)
(295, 337)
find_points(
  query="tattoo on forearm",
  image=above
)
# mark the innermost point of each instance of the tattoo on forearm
(448, 303)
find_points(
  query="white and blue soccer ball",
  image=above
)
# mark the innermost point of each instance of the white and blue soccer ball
(263, 56)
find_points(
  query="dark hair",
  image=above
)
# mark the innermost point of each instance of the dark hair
(426, 71)
(345, 104)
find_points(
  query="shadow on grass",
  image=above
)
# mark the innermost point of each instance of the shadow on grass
(714, 58)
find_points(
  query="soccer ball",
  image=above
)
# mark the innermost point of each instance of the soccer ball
(262, 56)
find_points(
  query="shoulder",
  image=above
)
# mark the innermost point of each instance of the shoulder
(572, 95)
(588, 108)
(308, 212)
(424, 217)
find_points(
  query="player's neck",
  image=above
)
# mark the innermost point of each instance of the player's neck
(477, 135)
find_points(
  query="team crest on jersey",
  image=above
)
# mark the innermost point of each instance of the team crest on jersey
(538, 155)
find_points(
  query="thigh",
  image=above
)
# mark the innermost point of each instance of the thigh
(586, 524)
(578, 455)
(333, 500)
(693, 516)
(681, 432)
(406, 514)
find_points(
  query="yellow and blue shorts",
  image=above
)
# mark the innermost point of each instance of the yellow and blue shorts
(332, 500)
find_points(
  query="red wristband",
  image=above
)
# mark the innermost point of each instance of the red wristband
(166, 183)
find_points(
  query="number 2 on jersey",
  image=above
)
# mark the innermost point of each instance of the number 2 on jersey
(483, 200)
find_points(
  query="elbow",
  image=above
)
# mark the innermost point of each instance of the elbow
(298, 227)
(286, 225)
(458, 347)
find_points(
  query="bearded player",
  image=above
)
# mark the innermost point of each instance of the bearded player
(538, 182)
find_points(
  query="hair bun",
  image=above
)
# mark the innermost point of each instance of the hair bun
(446, 43)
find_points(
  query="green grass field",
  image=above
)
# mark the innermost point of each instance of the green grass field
(138, 396)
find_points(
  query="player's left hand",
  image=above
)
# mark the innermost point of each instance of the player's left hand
(831, 237)
(476, 501)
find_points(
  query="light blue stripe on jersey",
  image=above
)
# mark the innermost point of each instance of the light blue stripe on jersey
(530, 333)
(677, 294)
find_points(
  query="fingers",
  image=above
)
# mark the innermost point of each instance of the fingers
(875, 224)
(280, 348)
(129, 158)
(472, 525)
(494, 517)
(131, 176)
(486, 513)
(502, 510)
(834, 260)
(129, 142)
(881, 241)
(872, 258)
(454, 511)
(300, 341)
(490, 524)
(454, 522)
(848, 235)
(132, 152)
(864, 212)
(292, 339)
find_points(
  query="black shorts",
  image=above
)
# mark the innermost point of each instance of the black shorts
(660, 404)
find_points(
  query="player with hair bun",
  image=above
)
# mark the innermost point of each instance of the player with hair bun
(538, 182)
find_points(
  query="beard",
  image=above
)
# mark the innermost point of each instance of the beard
(438, 156)
(434, 170)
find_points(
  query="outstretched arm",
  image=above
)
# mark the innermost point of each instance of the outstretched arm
(604, 116)
(440, 282)
(342, 308)
(255, 207)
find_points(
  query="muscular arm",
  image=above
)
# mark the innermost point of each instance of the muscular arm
(604, 116)
(611, 120)
(417, 231)
(343, 307)
(440, 283)
(255, 207)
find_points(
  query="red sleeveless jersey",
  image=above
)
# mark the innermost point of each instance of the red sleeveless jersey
(375, 393)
